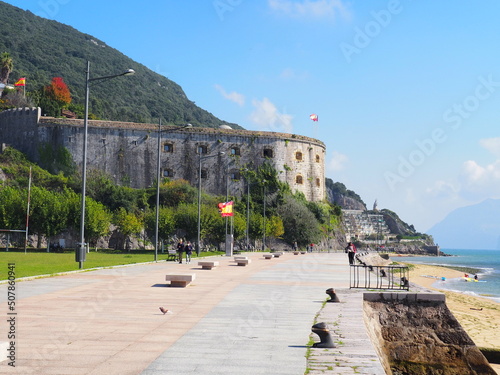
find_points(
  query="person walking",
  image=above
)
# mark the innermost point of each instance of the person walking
(180, 249)
(350, 250)
(188, 248)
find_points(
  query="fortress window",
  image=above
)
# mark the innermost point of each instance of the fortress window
(168, 173)
(299, 180)
(318, 182)
(168, 147)
(298, 155)
(202, 149)
(235, 175)
(317, 159)
(235, 151)
(268, 153)
(204, 173)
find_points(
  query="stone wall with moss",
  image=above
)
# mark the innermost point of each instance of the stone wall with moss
(128, 151)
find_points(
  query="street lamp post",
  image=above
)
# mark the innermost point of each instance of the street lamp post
(264, 233)
(158, 172)
(81, 251)
(199, 197)
(248, 213)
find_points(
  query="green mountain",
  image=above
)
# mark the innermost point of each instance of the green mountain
(42, 49)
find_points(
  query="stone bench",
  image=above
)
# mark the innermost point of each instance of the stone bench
(278, 254)
(172, 255)
(207, 265)
(180, 280)
(268, 256)
(242, 261)
(296, 252)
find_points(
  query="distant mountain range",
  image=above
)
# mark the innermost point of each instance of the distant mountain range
(42, 49)
(471, 227)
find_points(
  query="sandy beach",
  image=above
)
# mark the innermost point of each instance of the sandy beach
(480, 317)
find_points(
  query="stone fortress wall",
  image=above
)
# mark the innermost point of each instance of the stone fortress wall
(128, 151)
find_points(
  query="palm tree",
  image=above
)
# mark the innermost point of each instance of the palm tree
(6, 66)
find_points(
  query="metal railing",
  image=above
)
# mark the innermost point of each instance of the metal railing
(379, 277)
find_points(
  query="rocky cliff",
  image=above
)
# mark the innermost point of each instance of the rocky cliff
(337, 193)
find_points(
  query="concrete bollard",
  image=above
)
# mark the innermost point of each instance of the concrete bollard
(333, 295)
(324, 334)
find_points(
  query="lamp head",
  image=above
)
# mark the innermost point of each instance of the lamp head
(129, 72)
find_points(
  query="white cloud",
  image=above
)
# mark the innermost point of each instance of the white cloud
(480, 182)
(232, 96)
(310, 8)
(443, 190)
(267, 117)
(337, 162)
(492, 145)
(289, 74)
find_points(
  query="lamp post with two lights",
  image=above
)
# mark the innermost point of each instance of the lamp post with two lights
(81, 250)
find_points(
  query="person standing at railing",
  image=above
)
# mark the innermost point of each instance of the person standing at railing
(350, 250)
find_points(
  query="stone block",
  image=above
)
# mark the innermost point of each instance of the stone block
(180, 280)
(207, 265)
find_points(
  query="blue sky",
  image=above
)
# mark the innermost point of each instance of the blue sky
(407, 92)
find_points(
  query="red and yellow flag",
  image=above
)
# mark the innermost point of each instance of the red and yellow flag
(226, 209)
(20, 82)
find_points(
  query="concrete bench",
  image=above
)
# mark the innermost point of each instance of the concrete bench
(296, 252)
(303, 252)
(278, 254)
(180, 280)
(242, 261)
(207, 265)
(268, 256)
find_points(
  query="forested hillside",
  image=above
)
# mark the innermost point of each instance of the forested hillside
(42, 49)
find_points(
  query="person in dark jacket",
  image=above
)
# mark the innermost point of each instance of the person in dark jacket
(180, 250)
(188, 249)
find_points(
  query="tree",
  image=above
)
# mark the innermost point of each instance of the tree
(274, 227)
(48, 213)
(128, 224)
(299, 222)
(12, 208)
(175, 192)
(256, 225)
(54, 97)
(97, 216)
(166, 222)
(59, 92)
(6, 66)
(186, 216)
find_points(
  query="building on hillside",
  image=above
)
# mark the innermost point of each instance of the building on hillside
(364, 226)
(128, 151)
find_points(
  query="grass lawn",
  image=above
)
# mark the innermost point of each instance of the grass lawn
(34, 264)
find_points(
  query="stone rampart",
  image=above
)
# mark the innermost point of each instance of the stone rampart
(416, 333)
(128, 151)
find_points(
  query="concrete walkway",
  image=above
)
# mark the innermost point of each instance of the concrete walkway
(230, 320)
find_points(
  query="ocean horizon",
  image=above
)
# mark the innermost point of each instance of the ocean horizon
(487, 262)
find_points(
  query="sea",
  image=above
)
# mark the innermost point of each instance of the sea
(486, 261)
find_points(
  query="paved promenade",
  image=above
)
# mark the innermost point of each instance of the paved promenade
(230, 320)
